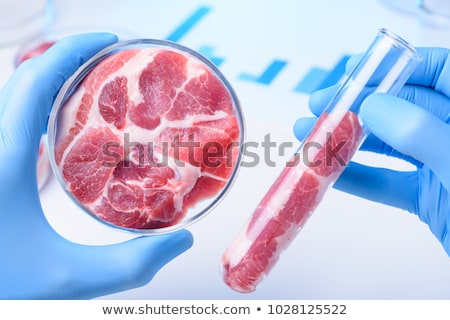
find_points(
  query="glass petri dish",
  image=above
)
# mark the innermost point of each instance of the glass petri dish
(43, 164)
(146, 136)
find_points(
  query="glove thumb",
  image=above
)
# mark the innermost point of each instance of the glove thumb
(411, 130)
(131, 264)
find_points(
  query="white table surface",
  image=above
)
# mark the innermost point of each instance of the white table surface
(351, 248)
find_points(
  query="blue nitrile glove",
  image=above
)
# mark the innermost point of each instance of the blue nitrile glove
(35, 261)
(413, 126)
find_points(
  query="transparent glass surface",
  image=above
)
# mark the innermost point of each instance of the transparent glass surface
(322, 157)
(431, 12)
(137, 167)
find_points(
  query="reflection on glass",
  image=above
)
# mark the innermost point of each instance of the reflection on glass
(432, 12)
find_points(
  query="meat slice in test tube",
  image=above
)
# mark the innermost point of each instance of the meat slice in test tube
(291, 200)
(384, 68)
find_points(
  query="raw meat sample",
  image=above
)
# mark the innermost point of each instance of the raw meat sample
(148, 134)
(291, 200)
(34, 51)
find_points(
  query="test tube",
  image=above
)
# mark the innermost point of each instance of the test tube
(321, 158)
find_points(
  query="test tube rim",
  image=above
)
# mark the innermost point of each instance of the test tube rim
(400, 43)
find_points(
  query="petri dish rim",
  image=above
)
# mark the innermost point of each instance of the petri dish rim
(75, 80)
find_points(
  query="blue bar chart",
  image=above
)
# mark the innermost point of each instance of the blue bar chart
(316, 78)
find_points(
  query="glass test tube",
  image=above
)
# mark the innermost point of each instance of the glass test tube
(323, 155)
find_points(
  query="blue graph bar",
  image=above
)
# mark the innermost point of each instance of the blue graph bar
(208, 52)
(188, 24)
(268, 74)
(311, 81)
(336, 74)
(317, 78)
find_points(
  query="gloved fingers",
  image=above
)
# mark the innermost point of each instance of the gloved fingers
(429, 99)
(127, 265)
(27, 98)
(433, 204)
(373, 144)
(411, 130)
(303, 126)
(433, 71)
(394, 188)
(352, 62)
(319, 99)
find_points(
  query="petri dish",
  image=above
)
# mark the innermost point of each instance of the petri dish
(146, 136)
(43, 164)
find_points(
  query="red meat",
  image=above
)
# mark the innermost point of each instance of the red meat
(147, 135)
(34, 51)
(290, 201)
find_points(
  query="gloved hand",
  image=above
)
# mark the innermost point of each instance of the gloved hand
(36, 262)
(413, 126)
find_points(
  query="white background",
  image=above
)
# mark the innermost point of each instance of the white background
(351, 248)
